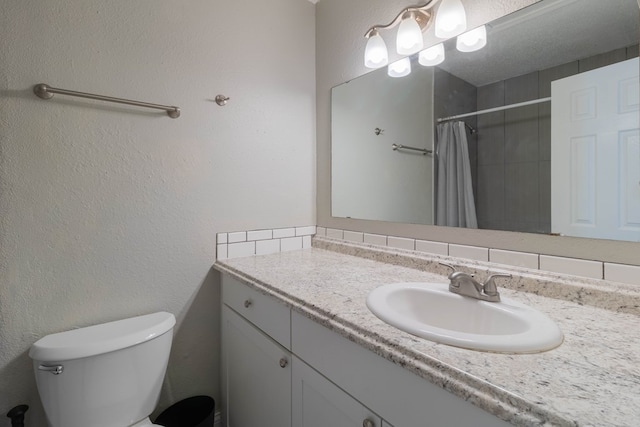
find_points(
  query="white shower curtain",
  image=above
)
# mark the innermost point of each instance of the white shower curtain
(455, 205)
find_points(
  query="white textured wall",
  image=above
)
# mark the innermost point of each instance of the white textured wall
(111, 211)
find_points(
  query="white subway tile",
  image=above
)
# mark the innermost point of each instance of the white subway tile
(354, 236)
(321, 231)
(401, 243)
(221, 238)
(279, 233)
(291, 244)
(334, 233)
(622, 273)
(221, 251)
(264, 247)
(438, 248)
(469, 252)
(517, 259)
(306, 242)
(238, 236)
(576, 267)
(306, 231)
(259, 235)
(375, 239)
(242, 249)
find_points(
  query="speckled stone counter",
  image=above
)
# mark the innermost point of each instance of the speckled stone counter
(592, 379)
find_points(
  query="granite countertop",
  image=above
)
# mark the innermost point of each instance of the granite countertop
(592, 379)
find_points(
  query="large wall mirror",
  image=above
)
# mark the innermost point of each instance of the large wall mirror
(565, 163)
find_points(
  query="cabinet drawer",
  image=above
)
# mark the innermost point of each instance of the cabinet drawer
(267, 314)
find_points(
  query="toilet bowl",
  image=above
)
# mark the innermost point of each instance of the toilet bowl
(107, 375)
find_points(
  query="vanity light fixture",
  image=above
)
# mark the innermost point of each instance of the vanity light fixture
(400, 68)
(413, 21)
(450, 20)
(432, 56)
(472, 40)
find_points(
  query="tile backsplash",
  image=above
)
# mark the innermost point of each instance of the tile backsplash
(268, 241)
(578, 267)
(238, 244)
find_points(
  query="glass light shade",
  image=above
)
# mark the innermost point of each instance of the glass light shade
(400, 68)
(375, 53)
(472, 40)
(409, 37)
(432, 56)
(451, 19)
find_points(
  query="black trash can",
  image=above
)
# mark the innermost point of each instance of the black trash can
(196, 411)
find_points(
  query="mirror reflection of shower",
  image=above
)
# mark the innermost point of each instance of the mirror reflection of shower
(510, 155)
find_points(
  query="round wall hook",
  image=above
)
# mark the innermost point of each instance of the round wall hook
(221, 100)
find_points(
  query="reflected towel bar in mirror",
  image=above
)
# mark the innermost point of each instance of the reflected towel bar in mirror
(396, 147)
(45, 91)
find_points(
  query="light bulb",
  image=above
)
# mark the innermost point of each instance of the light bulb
(375, 53)
(432, 56)
(409, 37)
(451, 19)
(400, 68)
(472, 40)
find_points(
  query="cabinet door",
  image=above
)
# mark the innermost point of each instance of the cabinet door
(317, 402)
(257, 376)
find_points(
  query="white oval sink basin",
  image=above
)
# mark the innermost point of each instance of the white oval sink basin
(430, 311)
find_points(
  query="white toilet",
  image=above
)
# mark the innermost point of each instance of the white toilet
(107, 375)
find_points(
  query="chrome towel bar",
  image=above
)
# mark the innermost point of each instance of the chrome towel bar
(45, 91)
(396, 147)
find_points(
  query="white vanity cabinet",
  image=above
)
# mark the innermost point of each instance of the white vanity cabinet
(281, 369)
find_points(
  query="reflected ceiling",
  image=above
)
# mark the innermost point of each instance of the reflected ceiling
(553, 33)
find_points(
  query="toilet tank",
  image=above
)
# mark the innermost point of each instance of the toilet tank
(106, 375)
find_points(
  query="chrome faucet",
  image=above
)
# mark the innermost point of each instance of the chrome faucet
(464, 284)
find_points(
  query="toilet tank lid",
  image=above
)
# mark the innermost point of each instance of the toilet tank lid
(103, 338)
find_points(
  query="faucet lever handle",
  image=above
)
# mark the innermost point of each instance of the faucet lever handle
(489, 285)
(453, 269)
